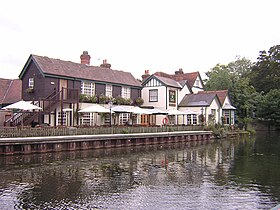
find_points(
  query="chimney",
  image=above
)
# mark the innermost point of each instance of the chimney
(85, 58)
(105, 64)
(179, 72)
(146, 75)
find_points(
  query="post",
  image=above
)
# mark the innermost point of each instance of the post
(110, 107)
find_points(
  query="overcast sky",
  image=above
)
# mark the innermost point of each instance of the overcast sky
(133, 35)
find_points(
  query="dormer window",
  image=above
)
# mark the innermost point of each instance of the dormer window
(31, 83)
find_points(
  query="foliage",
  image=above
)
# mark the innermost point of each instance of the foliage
(201, 119)
(102, 99)
(139, 101)
(223, 77)
(122, 101)
(266, 72)
(219, 78)
(84, 98)
(87, 98)
(211, 119)
(269, 108)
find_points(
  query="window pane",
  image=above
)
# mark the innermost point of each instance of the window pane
(153, 95)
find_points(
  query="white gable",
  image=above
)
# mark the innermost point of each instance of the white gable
(153, 83)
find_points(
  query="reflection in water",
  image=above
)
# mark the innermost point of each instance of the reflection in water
(235, 174)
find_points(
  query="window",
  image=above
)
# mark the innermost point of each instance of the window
(87, 119)
(124, 117)
(62, 118)
(194, 119)
(189, 119)
(88, 88)
(109, 90)
(172, 96)
(31, 83)
(153, 95)
(125, 92)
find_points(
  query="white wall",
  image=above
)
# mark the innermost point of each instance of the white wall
(161, 103)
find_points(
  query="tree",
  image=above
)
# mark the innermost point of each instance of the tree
(266, 72)
(223, 77)
(269, 108)
(219, 78)
(246, 99)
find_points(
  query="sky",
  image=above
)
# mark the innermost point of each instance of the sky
(137, 35)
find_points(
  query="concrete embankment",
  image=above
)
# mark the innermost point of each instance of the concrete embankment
(28, 145)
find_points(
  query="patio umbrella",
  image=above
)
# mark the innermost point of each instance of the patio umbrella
(22, 105)
(138, 110)
(121, 109)
(175, 112)
(95, 109)
(157, 111)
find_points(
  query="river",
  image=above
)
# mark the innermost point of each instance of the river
(226, 174)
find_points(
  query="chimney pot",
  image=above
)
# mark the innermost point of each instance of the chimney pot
(105, 64)
(85, 58)
(146, 75)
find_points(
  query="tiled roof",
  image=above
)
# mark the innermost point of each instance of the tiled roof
(168, 82)
(199, 99)
(10, 91)
(222, 94)
(190, 77)
(57, 67)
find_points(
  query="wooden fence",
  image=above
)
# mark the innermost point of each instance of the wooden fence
(12, 132)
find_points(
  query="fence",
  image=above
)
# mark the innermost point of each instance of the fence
(13, 132)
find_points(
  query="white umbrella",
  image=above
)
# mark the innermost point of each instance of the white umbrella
(157, 111)
(121, 109)
(188, 111)
(95, 109)
(22, 105)
(138, 110)
(175, 112)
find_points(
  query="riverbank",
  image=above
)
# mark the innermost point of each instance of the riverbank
(28, 145)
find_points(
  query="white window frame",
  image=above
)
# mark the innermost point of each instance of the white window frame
(126, 92)
(31, 82)
(88, 88)
(109, 90)
(87, 119)
(64, 118)
(153, 95)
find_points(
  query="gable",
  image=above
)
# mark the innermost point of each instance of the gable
(152, 82)
(155, 81)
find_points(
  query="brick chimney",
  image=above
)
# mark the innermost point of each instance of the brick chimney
(179, 72)
(105, 64)
(85, 58)
(146, 75)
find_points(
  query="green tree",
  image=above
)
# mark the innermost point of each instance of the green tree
(269, 108)
(265, 74)
(246, 99)
(219, 78)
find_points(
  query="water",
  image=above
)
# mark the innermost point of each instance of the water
(233, 174)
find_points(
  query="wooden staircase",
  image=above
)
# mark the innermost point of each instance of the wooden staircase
(48, 105)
